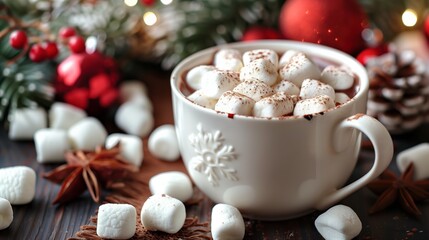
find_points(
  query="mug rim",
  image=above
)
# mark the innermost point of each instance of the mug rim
(312, 49)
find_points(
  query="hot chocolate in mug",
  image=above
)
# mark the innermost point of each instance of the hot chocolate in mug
(277, 168)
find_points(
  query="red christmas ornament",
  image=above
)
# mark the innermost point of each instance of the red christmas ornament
(77, 44)
(336, 23)
(88, 81)
(37, 53)
(368, 53)
(260, 32)
(426, 27)
(18, 39)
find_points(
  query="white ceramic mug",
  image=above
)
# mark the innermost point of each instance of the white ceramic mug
(284, 168)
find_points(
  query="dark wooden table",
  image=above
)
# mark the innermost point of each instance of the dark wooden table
(42, 220)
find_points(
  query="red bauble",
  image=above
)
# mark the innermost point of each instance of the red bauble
(37, 53)
(87, 81)
(18, 39)
(426, 27)
(66, 32)
(336, 23)
(368, 53)
(77, 44)
(259, 32)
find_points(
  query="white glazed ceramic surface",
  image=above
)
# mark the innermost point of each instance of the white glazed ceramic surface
(277, 169)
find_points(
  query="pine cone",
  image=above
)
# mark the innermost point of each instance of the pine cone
(399, 91)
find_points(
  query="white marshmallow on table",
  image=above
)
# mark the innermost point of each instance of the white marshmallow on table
(299, 68)
(277, 105)
(142, 101)
(313, 105)
(266, 54)
(134, 119)
(312, 88)
(286, 86)
(163, 213)
(260, 69)
(338, 77)
(419, 156)
(51, 144)
(163, 144)
(286, 57)
(226, 222)
(228, 59)
(195, 76)
(116, 221)
(24, 122)
(254, 89)
(341, 98)
(338, 222)
(174, 183)
(6, 213)
(236, 103)
(87, 134)
(131, 147)
(199, 98)
(63, 115)
(17, 184)
(216, 82)
(130, 89)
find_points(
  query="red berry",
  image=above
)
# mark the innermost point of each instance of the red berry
(51, 50)
(18, 39)
(66, 32)
(77, 44)
(147, 2)
(37, 53)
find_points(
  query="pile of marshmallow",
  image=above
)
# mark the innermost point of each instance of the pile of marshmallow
(258, 83)
(165, 211)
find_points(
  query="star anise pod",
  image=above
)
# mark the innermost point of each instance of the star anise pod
(389, 187)
(88, 170)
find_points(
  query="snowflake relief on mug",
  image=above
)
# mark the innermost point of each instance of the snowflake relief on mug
(212, 156)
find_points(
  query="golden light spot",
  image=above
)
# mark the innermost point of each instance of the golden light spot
(409, 18)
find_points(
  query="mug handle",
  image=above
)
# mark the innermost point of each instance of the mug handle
(383, 147)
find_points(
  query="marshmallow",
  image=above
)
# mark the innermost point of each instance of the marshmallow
(232, 102)
(174, 184)
(17, 184)
(199, 98)
(163, 213)
(163, 143)
(63, 115)
(286, 57)
(6, 213)
(299, 68)
(312, 88)
(131, 147)
(25, 122)
(51, 144)
(276, 105)
(338, 77)
(339, 222)
(142, 101)
(226, 222)
(130, 89)
(254, 89)
(313, 105)
(228, 59)
(195, 76)
(286, 86)
(87, 134)
(260, 69)
(266, 54)
(216, 82)
(418, 155)
(341, 98)
(116, 221)
(133, 119)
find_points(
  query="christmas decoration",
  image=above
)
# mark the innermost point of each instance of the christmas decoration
(372, 52)
(399, 87)
(338, 24)
(87, 81)
(90, 170)
(404, 189)
(260, 32)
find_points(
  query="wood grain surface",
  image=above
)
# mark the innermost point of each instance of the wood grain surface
(42, 220)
